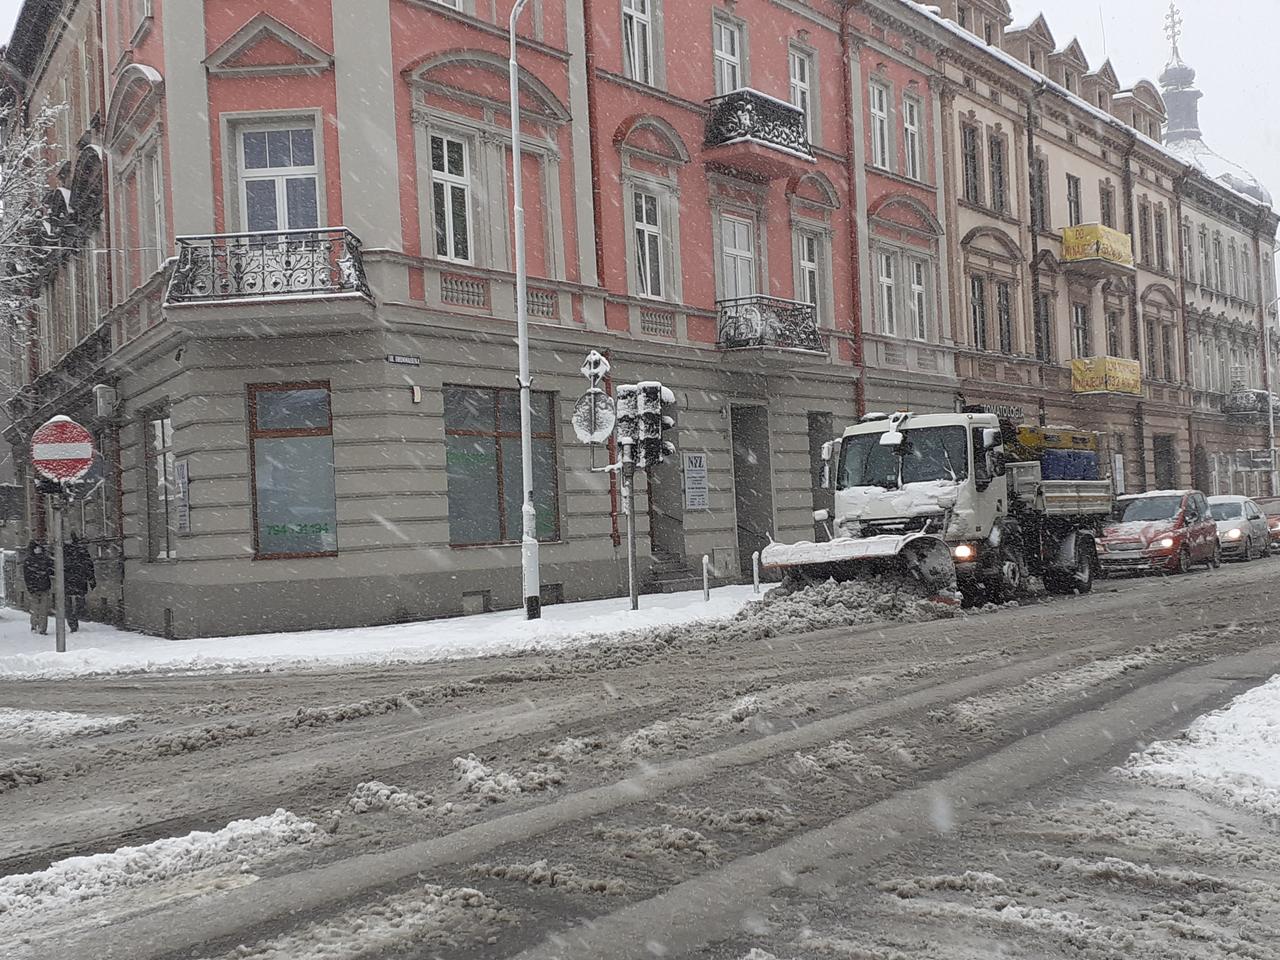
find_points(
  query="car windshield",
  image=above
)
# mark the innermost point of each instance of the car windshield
(1148, 508)
(1225, 511)
(926, 453)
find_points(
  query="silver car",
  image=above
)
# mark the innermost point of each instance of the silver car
(1242, 527)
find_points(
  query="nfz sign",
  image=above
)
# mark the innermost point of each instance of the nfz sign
(697, 492)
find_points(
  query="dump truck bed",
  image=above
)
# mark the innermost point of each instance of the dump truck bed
(1059, 498)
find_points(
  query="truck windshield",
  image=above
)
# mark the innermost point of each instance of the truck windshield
(927, 453)
(1148, 508)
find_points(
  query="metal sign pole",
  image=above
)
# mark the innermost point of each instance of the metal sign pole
(59, 579)
(628, 504)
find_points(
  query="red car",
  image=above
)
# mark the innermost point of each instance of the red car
(1271, 509)
(1165, 531)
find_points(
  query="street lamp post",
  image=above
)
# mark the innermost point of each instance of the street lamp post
(529, 524)
(1271, 407)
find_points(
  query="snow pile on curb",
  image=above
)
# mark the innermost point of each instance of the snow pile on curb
(1231, 755)
(430, 918)
(76, 879)
(374, 795)
(879, 599)
(52, 725)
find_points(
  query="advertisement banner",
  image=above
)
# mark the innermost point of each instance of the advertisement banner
(1093, 241)
(1106, 375)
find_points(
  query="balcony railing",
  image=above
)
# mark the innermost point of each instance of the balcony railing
(768, 322)
(286, 263)
(748, 115)
(1096, 249)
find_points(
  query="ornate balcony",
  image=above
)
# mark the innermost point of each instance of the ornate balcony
(1245, 404)
(756, 134)
(285, 263)
(769, 322)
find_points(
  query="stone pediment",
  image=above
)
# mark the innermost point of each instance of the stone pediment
(266, 47)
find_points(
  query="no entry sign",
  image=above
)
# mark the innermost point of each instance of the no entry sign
(62, 450)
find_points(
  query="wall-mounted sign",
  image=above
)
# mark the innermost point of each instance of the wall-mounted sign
(697, 489)
(404, 359)
(1010, 411)
(1106, 375)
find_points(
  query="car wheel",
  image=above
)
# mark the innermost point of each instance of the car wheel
(1215, 558)
(1266, 546)
(1248, 549)
(1184, 560)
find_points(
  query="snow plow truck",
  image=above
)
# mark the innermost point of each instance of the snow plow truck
(967, 503)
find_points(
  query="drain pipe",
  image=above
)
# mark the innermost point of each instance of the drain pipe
(851, 179)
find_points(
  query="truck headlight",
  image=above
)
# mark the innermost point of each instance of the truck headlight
(1234, 534)
(964, 551)
(1165, 543)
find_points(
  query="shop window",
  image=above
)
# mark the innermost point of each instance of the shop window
(482, 453)
(295, 510)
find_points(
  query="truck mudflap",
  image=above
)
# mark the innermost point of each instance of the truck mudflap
(924, 556)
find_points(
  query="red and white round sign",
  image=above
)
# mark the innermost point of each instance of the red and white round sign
(62, 449)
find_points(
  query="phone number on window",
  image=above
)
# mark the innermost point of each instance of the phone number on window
(284, 529)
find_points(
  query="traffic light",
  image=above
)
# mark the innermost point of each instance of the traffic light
(628, 420)
(655, 407)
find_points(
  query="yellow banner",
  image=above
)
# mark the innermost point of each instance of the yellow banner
(1093, 241)
(1106, 375)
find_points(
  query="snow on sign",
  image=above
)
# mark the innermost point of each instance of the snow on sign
(62, 450)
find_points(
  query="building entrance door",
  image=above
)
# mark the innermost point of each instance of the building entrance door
(1165, 458)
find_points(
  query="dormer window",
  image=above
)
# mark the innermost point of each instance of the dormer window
(1035, 65)
(1102, 99)
(962, 16)
(989, 33)
(1070, 81)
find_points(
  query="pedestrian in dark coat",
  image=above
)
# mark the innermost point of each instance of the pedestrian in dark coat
(37, 574)
(78, 577)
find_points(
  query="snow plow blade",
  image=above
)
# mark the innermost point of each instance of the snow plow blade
(923, 556)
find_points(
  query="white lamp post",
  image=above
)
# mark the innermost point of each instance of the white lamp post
(529, 517)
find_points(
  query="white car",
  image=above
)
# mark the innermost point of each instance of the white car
(1242, 527)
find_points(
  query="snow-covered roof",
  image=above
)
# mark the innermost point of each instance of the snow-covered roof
(1196, 153)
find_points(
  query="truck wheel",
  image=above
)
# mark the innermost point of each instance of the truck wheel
(1079, 580)
(1007, 575)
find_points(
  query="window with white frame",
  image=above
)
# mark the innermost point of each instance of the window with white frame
(647, 217)
(978, 310)
(1081, 338)
(637, 40)
(888, 287)
(999, 177)
(727, 55)
(451, 198)
(1206, 271)
(279, 179)
(1219, 272)
(800, 67)
(1233, 270)
(1075, 212)
(809, 254)
(1161, 239)
(879, 95)
(1188, 253)
(151, 211)
(1044, 328)
(452, 4)
(1004, 315)
(971, 163)
(737, 257)
(920, 321)
(911, 138)
(1246, 276)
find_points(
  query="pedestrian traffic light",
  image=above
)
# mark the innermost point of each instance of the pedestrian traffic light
(655, 409)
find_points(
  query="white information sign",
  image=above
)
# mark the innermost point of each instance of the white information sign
(697, 492)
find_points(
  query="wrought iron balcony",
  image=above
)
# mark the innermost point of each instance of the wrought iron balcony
(1244, 402)
(769, 322)
(758, 134)
(292, 263)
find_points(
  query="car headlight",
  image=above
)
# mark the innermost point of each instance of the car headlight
(964, 551)
(1234, 534)
(1165, 543)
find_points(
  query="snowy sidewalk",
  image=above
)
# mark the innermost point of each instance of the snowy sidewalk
(98, 649)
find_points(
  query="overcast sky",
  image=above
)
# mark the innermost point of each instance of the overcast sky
(1231, 43)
